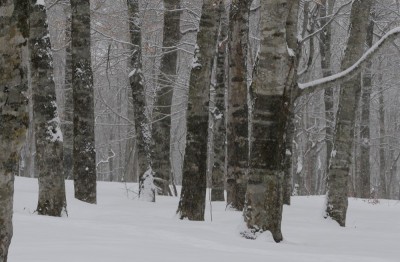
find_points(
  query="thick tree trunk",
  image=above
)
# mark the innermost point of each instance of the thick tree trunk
(238, 111)
(161, 130)
(13, 107)
(48, 136)
(84, 154)
(338, 174)
(68, 114)
(142, 123)
(383, 192)
(271, 97)
(218, 114)
(192, 202)
(363, 182)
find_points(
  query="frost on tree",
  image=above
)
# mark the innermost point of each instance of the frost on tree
(84, 154)
(13, 107)
(48, 136)
(192, 202)
(142, 123)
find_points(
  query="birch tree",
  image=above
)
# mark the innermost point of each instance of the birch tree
(13, 107)
(84, 154)
(48, 136)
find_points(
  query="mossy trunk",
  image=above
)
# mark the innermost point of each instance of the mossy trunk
(84, 154)
(238, 111)
(161, 130)
(338, 173)
(192, 201)
(14, 116)
(48, 136)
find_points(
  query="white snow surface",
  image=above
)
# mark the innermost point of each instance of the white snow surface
(120, 228)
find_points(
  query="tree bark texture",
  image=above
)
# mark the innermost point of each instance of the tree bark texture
(218, 113)
(14, 117)
(238, 111)
(192, 201)
(68, 114)
(270, 94)
(48, 136)
(142, 123)
(338, 174)
(161, 130)
(84, 154)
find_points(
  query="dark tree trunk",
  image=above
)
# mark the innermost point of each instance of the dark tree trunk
(142, 123)
(192, 202)
(161, 130)
(48, 136)
(84, 154)
(218, 114)
(238, 111)
(338, 174)
(13, 107)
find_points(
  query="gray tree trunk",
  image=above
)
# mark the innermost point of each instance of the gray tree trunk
(383, 192)
(84, 154)
(13, 107)
(192, 201)
(142, 123)
(218, 113)
(271, 96)
(238, 111)
(363, 183)
(48, 136)
(338, 174)
(161, 129)
(68, 114)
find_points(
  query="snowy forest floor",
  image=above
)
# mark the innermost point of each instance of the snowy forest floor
(120, 228)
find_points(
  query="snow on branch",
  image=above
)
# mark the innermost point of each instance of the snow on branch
(319, 84)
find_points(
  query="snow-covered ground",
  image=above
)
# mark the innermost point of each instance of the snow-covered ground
(120, 229)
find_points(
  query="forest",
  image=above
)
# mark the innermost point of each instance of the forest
(248, 104)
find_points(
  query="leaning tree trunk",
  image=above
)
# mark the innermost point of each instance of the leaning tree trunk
(271, 97)
(192, 202)
(68, 114)
(363, 179)
(218, 114)
(84, 154)
(238, 112)
(48, 136)
(161, 130)
(338, 174)
(13, 108)
(142, 124)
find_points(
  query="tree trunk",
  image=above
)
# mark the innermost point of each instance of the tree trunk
(271, 96)
(238, 111)
(383, 192)
(161, 130)
(218, 114)
(68, 114)
(363, 181)
(48, 136)
(84, 154)
(192, 202)
(338, 174)
(13, 107)
(142, 123)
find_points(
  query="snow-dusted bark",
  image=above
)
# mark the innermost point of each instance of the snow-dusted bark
(271, 94)
(84, 154)
(142, 123)
(48, 136)
(218, 113)
(161, 129)
(238, 112)
(192, 202)
(13, 107)
(337, 179)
